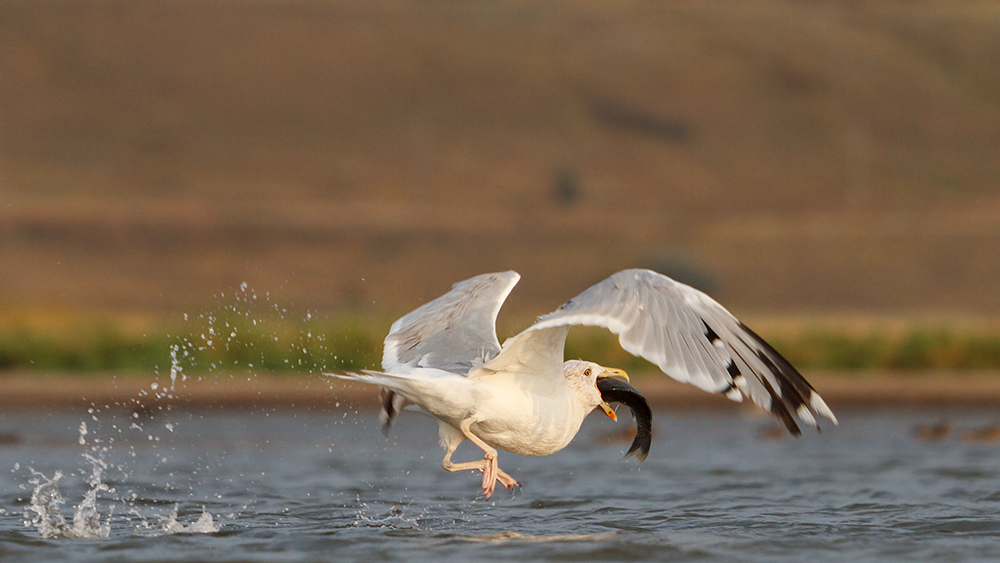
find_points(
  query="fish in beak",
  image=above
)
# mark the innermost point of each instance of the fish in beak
(614, 390)
(610, 373)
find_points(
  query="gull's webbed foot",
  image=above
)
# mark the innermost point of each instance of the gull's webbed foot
(506, 480)
(492, 474)
(489, 474)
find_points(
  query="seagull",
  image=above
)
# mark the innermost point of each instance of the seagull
(444, 358)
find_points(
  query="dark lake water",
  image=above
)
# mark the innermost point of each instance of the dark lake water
(308, 485)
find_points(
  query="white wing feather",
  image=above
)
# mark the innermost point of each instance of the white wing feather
(454, 332)
(686, 333)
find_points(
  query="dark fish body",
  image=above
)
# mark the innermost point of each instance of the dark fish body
(615, 390)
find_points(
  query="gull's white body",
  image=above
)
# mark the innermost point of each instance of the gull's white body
(444, 357)
(505, 415)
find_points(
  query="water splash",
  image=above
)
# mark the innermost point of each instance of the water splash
(394, 518)
(175, 366)
(217, 344)
(93, 515)
(87, 521)
(205, 524)
(47, 502)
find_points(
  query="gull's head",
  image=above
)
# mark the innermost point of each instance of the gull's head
(582, 378)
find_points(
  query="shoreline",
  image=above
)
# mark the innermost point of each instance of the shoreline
(22, 390)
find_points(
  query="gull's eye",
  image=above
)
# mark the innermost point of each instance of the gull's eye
(586, 372)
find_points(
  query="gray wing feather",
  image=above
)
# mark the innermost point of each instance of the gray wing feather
(693, 339)
(454, 332)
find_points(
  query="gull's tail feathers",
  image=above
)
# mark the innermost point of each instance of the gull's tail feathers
(390, 380)
(391, 403)
(398, 382)
(364, 376)
(441, 394)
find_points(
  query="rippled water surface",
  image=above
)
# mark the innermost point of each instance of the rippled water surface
(301, 485)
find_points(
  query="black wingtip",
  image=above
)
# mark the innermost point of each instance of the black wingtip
(391, 404)
(793, 388)
(617, 391)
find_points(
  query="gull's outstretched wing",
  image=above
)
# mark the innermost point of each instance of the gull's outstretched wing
(454, 332)
(686, 333)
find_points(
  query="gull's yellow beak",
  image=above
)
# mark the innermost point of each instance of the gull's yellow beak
(613, 372)
(616, 373)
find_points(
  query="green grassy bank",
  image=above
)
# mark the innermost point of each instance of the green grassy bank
(226, 341)
(236, 340)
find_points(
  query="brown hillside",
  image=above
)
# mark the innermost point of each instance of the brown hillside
(792, 156)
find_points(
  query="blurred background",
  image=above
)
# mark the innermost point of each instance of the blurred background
(825, 169)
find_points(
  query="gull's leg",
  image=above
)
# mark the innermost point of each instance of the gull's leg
(489, 463)
(491, 472)
(451, 438)
(449, 465)
(502, 476)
